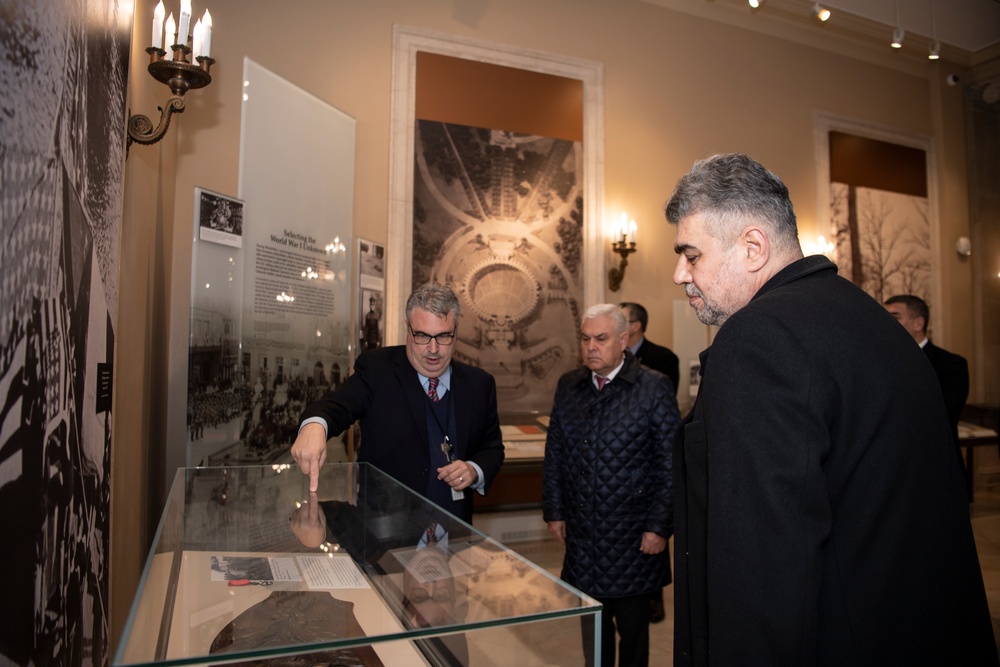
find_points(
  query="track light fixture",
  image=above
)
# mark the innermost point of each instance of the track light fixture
(898, 33)
(822, 13)
(935, 50)
(897, 38)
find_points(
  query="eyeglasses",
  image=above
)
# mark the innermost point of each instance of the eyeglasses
(421, 338)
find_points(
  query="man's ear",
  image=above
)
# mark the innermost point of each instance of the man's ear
(757, 247)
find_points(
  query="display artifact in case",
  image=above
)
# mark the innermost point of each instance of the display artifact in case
(248, 567)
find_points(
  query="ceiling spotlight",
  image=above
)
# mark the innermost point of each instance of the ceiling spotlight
(897, 38)
(935, 50)
(822, 13)
(754, 3)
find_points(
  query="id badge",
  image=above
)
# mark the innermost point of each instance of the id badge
(458, 494)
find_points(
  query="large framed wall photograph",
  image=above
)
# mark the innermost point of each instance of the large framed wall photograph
(496, 173)
(879, 207)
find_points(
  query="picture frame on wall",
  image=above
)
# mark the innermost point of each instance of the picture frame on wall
(371, 295)
(220, 217)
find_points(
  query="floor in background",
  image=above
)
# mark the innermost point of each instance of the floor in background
(511, 528)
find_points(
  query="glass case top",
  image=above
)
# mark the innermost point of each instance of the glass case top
(247, 564)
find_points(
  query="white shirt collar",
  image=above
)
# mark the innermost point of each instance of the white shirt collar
(610, 376)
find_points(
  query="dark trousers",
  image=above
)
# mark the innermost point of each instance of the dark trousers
(629, 618)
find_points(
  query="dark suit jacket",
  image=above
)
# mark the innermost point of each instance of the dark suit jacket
(659, 358)
(953, 375)
(384, 393)
(818, 513)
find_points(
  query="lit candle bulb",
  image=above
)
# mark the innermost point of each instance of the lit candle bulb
(158, 26)
(206, 35)
(170, 29)
(632, 229)
(182, 31)
(197, 33)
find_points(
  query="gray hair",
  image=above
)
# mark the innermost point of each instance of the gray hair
(608, 310)
(435, 299)
(730, 189)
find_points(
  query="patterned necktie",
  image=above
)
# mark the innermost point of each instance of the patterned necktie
(601, 381)
(431, 533)
(432, 389)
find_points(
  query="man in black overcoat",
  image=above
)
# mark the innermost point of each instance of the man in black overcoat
(819, 517)
(444, 444)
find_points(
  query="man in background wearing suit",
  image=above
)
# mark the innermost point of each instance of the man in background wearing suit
(952, 370)
(648, 353)
(660, 359)
(426, 420)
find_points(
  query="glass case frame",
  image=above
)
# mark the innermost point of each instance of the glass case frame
(249, 567)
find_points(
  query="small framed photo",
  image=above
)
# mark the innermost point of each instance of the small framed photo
(371, 320)
(371, 264)
(220, 218)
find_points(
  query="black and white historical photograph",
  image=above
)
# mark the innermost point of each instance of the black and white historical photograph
(62, 133)
(498, 216)
(371, 320)
(220, 218)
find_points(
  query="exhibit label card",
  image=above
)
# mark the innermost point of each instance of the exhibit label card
(331, 571)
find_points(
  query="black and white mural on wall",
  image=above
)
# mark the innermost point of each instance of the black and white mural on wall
(63, 73)
(498, 216)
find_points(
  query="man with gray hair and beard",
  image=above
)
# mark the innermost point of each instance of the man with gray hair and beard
(819, 516)
(606, 482)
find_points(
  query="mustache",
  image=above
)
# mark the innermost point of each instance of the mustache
(691, 290)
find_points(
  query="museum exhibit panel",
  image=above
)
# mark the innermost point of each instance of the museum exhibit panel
(248, 566)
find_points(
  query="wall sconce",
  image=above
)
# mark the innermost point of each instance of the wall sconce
(177, 72)
(624, 246)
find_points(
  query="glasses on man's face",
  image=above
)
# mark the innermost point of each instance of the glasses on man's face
(421, 338)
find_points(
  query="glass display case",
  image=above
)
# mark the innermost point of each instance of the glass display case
(248, 567)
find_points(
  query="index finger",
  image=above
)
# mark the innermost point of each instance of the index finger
(315, 466)
(313, 476)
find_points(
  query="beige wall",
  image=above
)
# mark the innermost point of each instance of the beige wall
(677, 88)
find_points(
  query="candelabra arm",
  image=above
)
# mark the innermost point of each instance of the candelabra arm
(180, 76)
(140, 127)
(615, 275)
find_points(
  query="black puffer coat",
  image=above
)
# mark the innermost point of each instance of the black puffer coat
(608, 459)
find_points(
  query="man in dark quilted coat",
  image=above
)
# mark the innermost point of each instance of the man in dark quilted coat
(820, 518)
(607, 481)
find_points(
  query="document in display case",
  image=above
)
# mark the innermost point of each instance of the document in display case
(249, 568)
